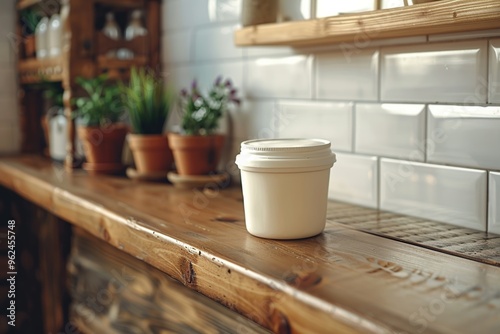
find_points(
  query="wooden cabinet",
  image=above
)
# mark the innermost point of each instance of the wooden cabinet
(84, 53)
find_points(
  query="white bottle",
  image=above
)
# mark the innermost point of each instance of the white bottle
(55, 36)
(135, 27)
(41, 36)
(111, 28)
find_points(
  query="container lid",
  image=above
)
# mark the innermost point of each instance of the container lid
(285, 153)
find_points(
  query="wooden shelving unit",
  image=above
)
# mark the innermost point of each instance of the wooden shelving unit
(84, 54)
(446, 16)
(36, 70)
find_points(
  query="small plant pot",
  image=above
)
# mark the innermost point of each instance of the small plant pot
(29, 46)
(196, 155)
(151, 153)
(103, 148)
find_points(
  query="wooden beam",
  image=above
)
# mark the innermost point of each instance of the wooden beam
(446, 16)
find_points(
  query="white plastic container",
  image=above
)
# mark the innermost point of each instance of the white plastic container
(54, 40)
(285, 186)
(41, 38)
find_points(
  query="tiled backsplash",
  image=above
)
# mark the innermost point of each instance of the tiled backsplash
(413, 120)
(9, 136)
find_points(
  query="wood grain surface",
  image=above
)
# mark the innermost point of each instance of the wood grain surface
(112, 292)
(446, 16)
(343, 280)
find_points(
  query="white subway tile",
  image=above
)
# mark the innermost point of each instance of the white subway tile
(466, 136)
(280, 77)
(294, 10)
(446, 72)
(392, 3)
(395, 130)
(347, 75)
(447, 194)
(494, 72)
(8, 110)
(224, 10)
(8, 83)
(8, 45)
(330, 8)
(464, 35)
(176, 46)
(354, 179)
(179, 76)
(269, 51)
(9, 138)
(207, 73)
(312, 119)
(494, 204)
(216, 43)
(256, 119)
(181, 14)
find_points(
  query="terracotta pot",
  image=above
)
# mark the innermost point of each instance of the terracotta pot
(196, 155)
(103, 147)
(151, 152)
(29, 46)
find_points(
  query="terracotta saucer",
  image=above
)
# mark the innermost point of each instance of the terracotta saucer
(103, 168)
(218, 180)
(134, 174)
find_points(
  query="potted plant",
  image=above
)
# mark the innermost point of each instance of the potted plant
(148, 100)
(99, 127)
(30, 19)
(198, 149)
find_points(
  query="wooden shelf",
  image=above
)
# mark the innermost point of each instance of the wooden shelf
(122, 3)
(23, 4)
(38, 70)
(446, 16)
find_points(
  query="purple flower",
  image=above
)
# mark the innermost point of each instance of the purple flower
(228, 83)
(194, 85)
(184, 92)
(218, 80)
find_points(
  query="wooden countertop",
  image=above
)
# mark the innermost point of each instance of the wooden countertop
(343, 280)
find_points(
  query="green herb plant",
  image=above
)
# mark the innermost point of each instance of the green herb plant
(201, 114)
(102, 106)
(30, 19)
(147, 99)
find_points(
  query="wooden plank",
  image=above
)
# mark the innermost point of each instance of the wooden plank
(342, 280)
(38, 295)
(446, 16)
(34, 70)
(53, 251)
(112, 290)
(23, 4)
(122, 3)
